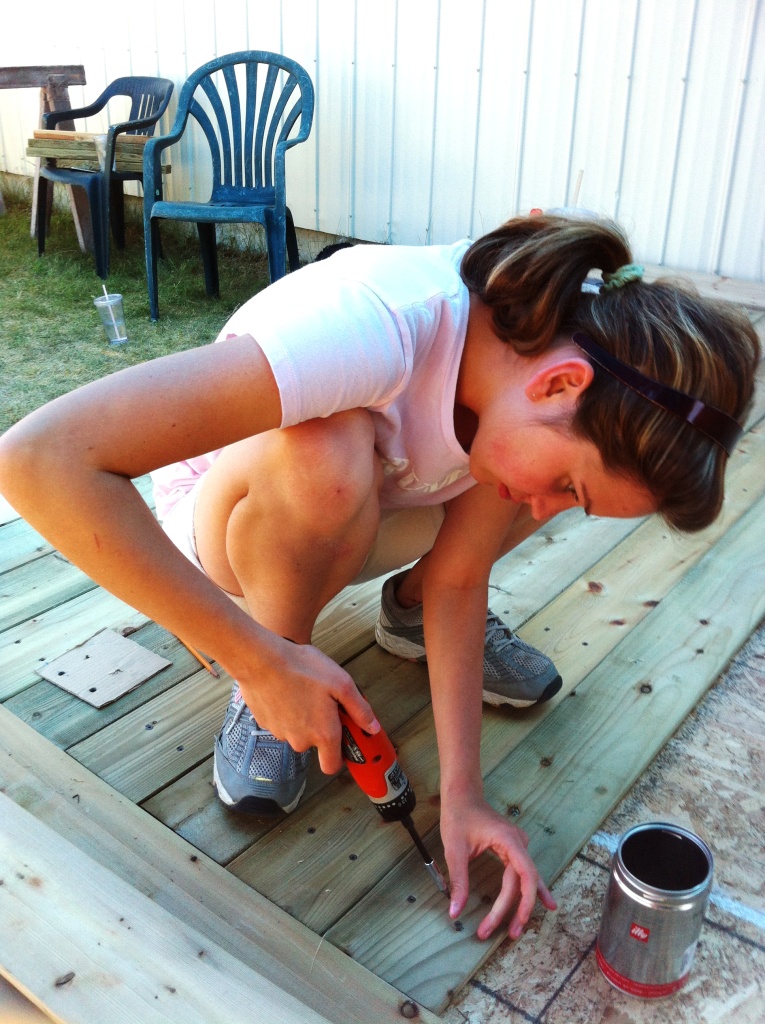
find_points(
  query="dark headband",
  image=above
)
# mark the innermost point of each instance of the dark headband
(718, 426)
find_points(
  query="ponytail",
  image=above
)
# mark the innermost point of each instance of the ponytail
(530, 272)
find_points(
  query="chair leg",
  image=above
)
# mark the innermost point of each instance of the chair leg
(150, 240)
(292, 246)
(209, 258)
(276, 229)
(99, 218)
(117, 212)
(42, 213)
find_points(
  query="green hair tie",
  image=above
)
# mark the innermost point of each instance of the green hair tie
(629, 272)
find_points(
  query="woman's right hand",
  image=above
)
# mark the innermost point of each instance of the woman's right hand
(295, 696)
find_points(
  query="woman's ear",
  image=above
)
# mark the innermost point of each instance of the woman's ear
(562, 380)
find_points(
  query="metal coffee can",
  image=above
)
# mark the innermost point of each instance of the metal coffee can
(661, 877)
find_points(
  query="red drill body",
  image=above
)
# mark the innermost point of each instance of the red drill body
(371, 760)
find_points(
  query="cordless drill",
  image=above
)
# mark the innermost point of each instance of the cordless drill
(372, 762)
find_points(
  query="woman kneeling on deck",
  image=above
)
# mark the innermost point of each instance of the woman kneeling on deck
(390, 404)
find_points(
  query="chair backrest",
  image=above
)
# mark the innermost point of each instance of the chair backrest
(148, 98)
(247, 105)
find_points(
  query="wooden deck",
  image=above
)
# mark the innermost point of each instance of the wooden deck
(131, 892)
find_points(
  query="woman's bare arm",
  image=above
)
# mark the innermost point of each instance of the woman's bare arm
(455, 586)
(66, 468)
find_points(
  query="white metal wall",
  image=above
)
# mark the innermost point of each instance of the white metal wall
(437, 119)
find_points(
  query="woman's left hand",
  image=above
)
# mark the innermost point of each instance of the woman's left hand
(470, 827)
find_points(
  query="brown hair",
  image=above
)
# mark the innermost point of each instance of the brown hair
(530, 271)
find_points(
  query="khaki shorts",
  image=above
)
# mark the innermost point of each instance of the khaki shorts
(404, 535)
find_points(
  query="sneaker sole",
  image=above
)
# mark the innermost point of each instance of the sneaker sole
(399, 645)
(255, 805)
(497, 700)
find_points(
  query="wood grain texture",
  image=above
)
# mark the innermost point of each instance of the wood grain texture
(153, 745)
(52, 632)
(44, 631)
(115, 832)
(39, 585)
(309, 872)
(749, 294)
(103, 951)
(19, 544)
(103, 669)
(396, 689)
(39, 76)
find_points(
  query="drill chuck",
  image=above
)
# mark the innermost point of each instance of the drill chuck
(399, 806)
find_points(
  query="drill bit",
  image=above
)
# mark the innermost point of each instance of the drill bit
(430, 865)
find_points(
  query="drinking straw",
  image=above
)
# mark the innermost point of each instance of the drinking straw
(111, 311)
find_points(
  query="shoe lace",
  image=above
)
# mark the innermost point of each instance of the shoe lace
(498, 635)
(255, 729)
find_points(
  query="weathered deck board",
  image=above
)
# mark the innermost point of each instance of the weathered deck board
(56, 631)
(190, 805)
(37, 586)
(20, 545)
(151, 746)
(123, 955)
(44, 579)
(749, 294)
(107, 827)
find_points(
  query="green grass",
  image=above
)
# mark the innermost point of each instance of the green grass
(51, 338)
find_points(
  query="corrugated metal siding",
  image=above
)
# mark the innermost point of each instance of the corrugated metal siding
(440, 118)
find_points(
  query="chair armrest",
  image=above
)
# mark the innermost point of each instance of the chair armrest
(121, 129)
(132, 126)
(52, 118)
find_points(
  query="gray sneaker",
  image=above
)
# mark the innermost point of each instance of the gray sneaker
(514, 672)
(253, 772)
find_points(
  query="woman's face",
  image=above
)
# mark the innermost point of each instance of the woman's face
(521, 441)
(539, 465)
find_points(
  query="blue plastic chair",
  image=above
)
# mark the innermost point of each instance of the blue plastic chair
(247, 120)
(149, 98)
